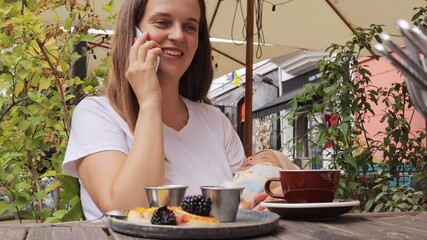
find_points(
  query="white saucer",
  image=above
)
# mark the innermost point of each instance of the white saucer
(335, 203)
(323, 210)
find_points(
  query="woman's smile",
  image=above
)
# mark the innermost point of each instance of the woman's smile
(172, 52)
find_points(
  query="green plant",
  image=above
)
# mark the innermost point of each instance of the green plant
(37, 96)
(396, 199)
(346, 91)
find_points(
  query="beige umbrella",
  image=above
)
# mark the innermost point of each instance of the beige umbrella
(307, 24)
(228, 57)
(294, 25)
(291, 25)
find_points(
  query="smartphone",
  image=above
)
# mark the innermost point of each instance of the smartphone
(138, 34)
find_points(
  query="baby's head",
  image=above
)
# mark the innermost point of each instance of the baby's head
(263, 156)
(273, 157)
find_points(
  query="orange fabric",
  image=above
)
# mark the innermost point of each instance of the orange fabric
(242, 111)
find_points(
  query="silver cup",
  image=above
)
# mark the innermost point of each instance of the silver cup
(165, 195)
(225, 201)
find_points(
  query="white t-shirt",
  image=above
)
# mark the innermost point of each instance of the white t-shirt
(206, 151)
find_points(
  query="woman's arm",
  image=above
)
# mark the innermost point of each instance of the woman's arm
(113, 179)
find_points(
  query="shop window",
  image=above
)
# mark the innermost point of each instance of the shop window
(266, 132)
(307, 155)
(301, 136)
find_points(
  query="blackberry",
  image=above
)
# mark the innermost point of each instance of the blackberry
(197, 204)
(163, 216)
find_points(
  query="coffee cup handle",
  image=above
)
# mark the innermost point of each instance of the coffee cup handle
(267, 188)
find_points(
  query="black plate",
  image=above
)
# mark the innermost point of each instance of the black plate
(248, 224)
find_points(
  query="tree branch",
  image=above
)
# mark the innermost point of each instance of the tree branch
(35, 176)
(57, 83)
(6, 110)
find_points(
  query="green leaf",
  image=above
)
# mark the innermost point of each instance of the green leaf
(344, 128)
(57, 216)
(44, 84)
(87, 88)
(72, 185)
(31, 4)
(40, 195)
(52, 186)
(18, 88)
(23, 186)
(351, 160)
(22, 199)
(23, 74)
(68, 23)
(75, 212)
(379, 196)
(31, 144)
(402, 205)
(398, 196)
(384, 188)
(378, 207)
(87, 38)
(4, 206)
(26, 214)
(44, 213)
(51, 173)
(52, 220)
(352, 185)
(60, 213)
(109, 7)
(368, 205)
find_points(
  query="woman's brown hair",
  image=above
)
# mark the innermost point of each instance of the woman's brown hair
(194, 84)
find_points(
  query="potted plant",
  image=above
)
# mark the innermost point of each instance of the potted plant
(371, 167)
(37, 96)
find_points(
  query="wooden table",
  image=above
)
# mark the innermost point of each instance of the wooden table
(349, 226)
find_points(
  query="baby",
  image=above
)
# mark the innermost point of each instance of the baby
(255, 171)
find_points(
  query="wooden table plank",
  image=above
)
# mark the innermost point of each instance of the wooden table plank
(355, 227)
(118, 236)
(405, 227)
(272, 236)
(13, 233)
(358, 230)
(416, 223)
(90, 233)
(349, 226)
(65, 233)
(294, 229)
(40, 233)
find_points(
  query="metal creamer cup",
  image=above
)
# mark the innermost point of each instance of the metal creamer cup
(165, 195)
(225, 201)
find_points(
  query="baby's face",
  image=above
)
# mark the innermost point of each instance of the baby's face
(260, 157)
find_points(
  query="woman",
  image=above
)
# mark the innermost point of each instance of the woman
(152, 128)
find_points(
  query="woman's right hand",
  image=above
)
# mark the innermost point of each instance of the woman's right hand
(141, 72)
(263, 196)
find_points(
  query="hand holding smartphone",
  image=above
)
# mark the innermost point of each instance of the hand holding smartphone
(138, 34)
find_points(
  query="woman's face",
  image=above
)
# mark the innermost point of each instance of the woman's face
(175, 26)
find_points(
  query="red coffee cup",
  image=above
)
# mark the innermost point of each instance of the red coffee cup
(306, 186)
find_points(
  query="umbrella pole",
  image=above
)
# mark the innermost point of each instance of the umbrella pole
(248, 81)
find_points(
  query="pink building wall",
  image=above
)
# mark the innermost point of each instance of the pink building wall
(383, 75)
